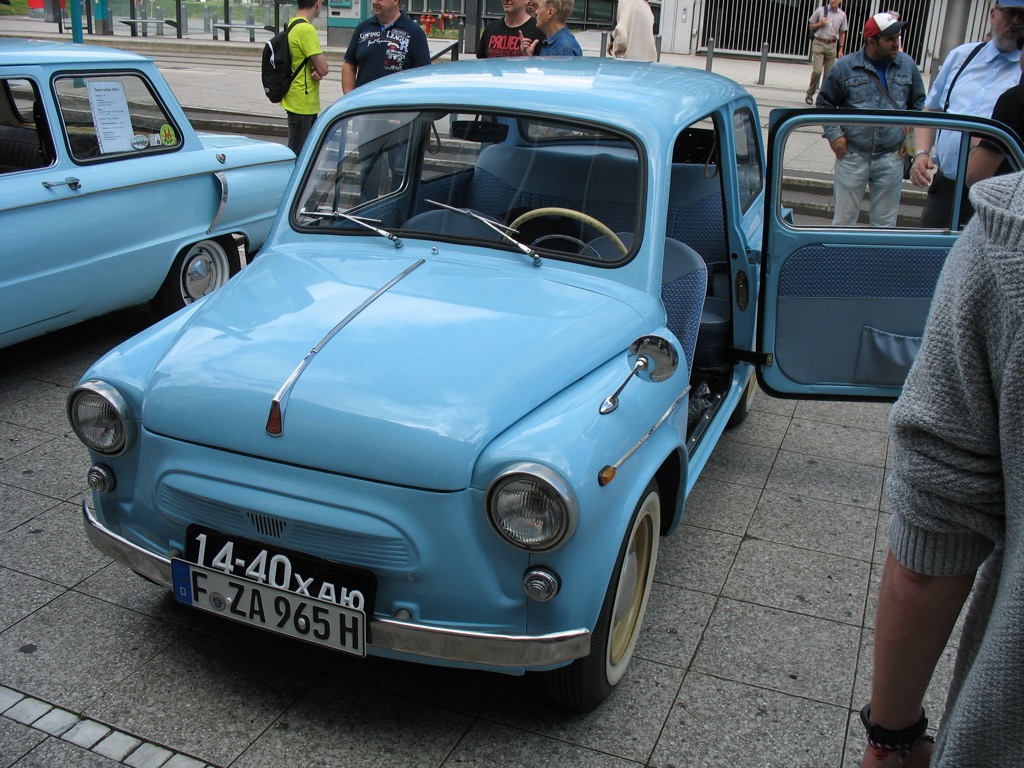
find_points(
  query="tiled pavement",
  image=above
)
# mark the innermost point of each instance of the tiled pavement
(755, 651)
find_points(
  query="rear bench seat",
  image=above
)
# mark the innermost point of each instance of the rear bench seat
(602, 185)
(19, 149)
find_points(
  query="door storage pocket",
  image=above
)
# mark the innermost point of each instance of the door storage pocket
(884, 358)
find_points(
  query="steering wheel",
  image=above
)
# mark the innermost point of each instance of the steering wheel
(569, 213)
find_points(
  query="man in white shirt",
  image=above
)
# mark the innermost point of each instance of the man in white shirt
(972, 77)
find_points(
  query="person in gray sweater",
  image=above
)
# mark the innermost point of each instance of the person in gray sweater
(957, 495)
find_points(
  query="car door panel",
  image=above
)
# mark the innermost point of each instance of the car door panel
(843, 309)
(71, 266)
(848, 290)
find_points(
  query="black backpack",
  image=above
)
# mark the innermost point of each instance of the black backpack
(277, 64)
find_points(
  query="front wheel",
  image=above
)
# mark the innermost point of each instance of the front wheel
(197, 271)
(586, 682)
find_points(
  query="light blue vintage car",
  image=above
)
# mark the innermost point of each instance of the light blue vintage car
(108, 197)
(506, 313)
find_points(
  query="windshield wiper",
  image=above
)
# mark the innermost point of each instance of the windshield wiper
(360, 220)
(501, 229)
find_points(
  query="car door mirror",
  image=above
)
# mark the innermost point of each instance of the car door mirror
(657, 358)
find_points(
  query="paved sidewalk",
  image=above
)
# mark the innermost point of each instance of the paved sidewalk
(755, 651)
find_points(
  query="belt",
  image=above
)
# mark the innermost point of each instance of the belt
(872, 153)
(831, 40)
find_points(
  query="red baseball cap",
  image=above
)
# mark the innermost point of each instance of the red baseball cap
(883, 24)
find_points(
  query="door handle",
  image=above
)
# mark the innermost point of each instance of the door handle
(71, 181)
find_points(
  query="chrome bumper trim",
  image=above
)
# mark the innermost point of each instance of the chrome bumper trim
(387, 634)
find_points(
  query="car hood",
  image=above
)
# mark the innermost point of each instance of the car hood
(409, 391)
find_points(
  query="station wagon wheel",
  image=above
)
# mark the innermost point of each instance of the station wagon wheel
(569, 213)
(586, 682)
(198, 270)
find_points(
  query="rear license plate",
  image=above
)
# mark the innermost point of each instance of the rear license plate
(267, 607)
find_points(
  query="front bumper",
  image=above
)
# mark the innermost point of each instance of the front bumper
(431, 643)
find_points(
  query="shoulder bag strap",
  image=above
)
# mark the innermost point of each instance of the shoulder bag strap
(949, 91)
(878, 84)
(303, 64)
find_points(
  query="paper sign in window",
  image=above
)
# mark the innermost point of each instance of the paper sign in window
(110, 115)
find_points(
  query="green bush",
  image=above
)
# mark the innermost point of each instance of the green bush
(16, 8)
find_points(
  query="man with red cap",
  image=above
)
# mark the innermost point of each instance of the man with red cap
(878, 76)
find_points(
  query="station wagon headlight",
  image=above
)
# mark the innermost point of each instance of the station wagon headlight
(532, 507)
(101, 418)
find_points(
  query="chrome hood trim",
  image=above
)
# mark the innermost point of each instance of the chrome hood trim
(279, 405)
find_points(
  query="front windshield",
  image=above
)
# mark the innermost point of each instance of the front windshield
(545, 187)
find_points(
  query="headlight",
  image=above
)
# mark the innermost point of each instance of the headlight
(532, 507)
(101, 418)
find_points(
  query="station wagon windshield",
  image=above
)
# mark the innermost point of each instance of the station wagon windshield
(552, 187)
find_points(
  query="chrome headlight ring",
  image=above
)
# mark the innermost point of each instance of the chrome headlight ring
(532, 507)
(101, 418)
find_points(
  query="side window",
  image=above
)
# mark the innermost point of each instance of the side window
(453, 146)
(859, 175)
(749, 173)
(114, 114)
(25, 141)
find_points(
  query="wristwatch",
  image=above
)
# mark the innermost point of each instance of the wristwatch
(893, 741)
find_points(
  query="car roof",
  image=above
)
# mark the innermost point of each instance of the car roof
(49, 52)
(634, 95)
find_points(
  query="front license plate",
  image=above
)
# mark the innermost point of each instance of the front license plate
(267, 607)
(284, 569)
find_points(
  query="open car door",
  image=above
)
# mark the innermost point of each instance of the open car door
(843, 305)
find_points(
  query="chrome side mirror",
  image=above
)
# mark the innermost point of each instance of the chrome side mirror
(651, 358)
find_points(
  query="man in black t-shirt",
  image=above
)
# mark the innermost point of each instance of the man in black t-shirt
(503, 37)
(389, 41)
(987, 158)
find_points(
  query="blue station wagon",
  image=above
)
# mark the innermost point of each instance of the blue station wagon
(506, 312)
(109, 198)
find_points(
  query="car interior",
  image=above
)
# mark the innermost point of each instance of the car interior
(25, 141)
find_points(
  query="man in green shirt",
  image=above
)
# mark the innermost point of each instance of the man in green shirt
(302, 102)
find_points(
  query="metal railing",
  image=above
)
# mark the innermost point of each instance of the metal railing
(782, 25)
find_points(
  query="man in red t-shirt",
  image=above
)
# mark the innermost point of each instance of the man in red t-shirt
(503, 37)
